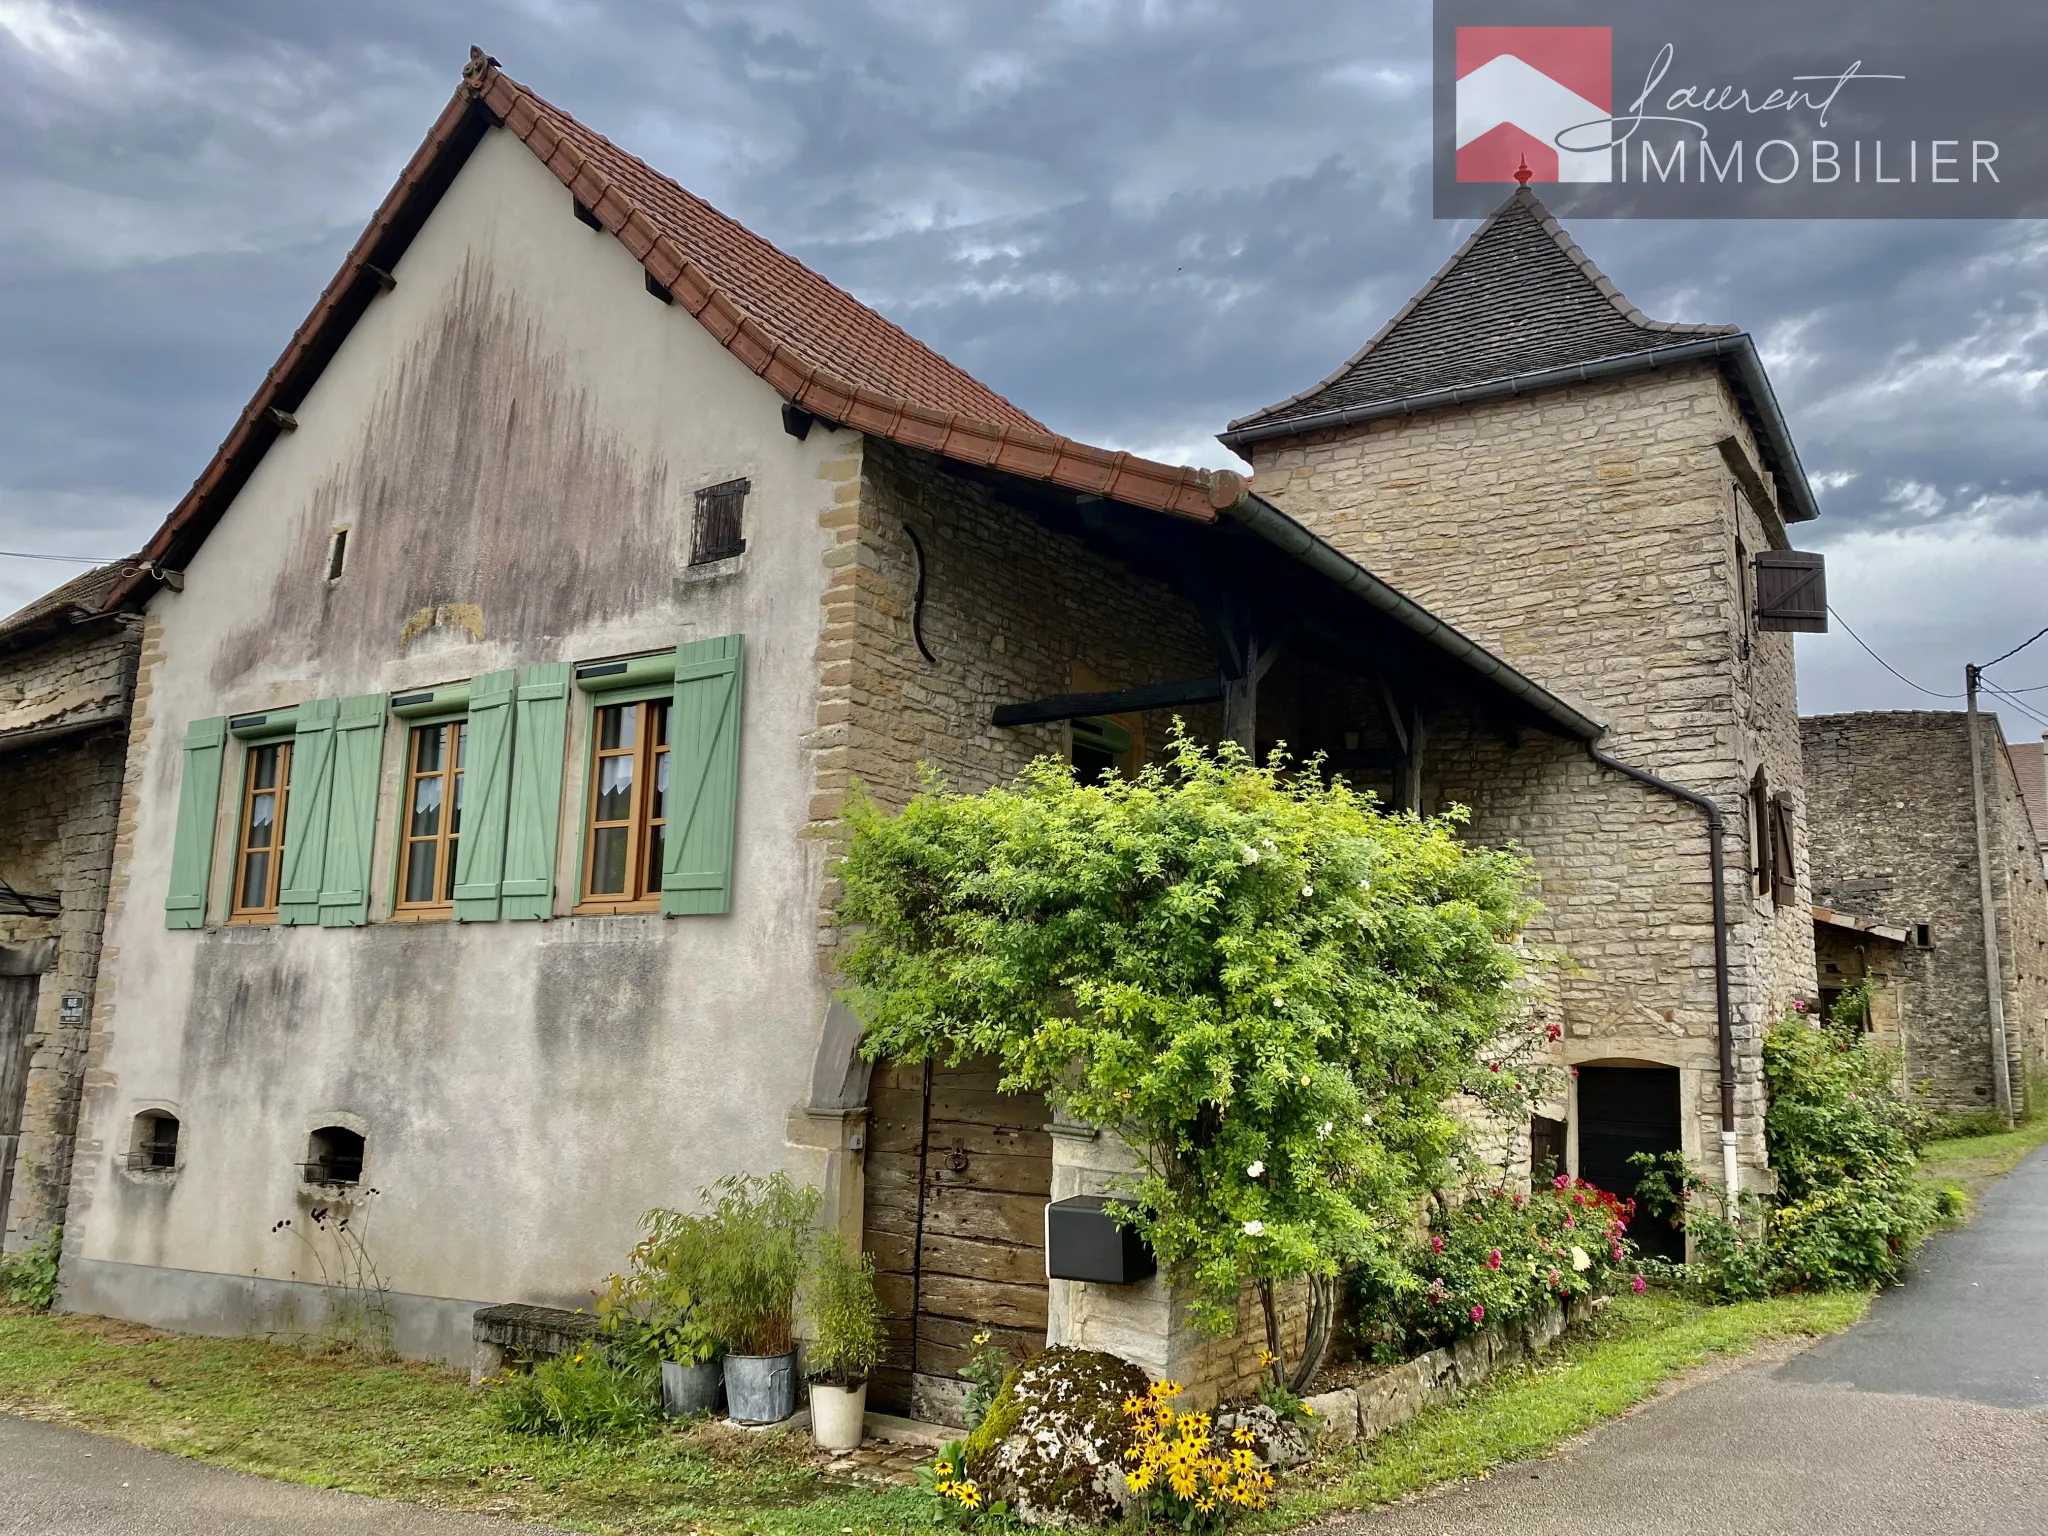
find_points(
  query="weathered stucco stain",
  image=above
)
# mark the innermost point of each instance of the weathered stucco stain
(469, 488)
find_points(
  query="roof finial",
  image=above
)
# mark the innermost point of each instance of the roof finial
(1524, 175)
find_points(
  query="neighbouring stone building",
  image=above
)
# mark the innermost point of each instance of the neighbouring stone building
(582, 510)
(1592, 495)
(1894, 839)
(2030, 766)
(66, 673)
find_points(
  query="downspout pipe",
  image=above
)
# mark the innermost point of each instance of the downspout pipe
(1716, 860)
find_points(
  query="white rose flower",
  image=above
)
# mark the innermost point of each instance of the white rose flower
(1323, 1131)
(1308, 890)
(1254, 1228)
(1579, 1259)
(1251, 854)
(1257, 1169)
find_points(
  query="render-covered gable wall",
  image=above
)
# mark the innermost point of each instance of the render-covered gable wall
(513, 436)
(1894, 837)
(1588, 538)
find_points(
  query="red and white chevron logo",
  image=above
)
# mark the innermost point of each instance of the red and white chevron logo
(1519, 88)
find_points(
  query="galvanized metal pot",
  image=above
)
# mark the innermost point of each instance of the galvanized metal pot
(760, 1389)
(688, 1389)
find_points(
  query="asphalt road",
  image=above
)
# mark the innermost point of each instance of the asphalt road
(56, 1481)
(1930, 1417)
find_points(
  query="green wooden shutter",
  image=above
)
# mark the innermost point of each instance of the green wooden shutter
(198, 806)
(539, 744)
(704, 776)
(352, 811)
(305, 813)
(486, 788)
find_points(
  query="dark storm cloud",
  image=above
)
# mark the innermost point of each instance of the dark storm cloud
(1136, 219)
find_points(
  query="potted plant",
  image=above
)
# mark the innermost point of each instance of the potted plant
(845, 1341)
(755, 1234)
(651, 1314)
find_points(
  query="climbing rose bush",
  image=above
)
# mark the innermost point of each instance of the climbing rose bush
(1498, 1257)
(1272, 989)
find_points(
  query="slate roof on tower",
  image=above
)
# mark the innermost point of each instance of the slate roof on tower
(1520, 308)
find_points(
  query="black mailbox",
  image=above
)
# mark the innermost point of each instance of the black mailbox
(1083, 1242)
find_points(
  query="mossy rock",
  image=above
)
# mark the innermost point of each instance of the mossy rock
(1052, 1446)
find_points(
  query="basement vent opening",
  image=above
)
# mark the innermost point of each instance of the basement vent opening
(155, 1143)
(1923, 935)
(716, 534)
(334, 1155)
(337, 554)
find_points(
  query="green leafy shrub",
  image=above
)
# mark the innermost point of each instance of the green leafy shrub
(1498, 1257)
(1848, 1210)
(1271, 989)
(987, 1367)
(754, 1235)
(846, 1316)
(584, 1396)
(29, 1278)
(651, 1312)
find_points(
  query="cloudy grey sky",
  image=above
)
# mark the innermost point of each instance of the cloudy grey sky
(1137, 218)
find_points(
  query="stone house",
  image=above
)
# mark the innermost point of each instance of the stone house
(1603, 501)
(531, 625)
(1894, 840)
(66, 672)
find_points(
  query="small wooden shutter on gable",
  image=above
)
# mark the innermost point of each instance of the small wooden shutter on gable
(1760, 831)
(540, 741)
(1791, 591)
(198, 806)
(704, 777)
(305, 815)
(486, 797)
(352, 811)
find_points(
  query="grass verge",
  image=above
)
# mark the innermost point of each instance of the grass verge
(1969, 1164)
(1634, 1346)
(416, 1432)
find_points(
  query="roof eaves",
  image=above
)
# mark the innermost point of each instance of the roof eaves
(1734, 352)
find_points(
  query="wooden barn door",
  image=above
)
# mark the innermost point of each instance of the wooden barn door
(957, 1177)
(17, 1021)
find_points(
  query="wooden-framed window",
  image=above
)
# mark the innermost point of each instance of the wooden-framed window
(627, 809)
(259, 857)
(435, 757)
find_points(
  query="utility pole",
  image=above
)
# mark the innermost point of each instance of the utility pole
(1994, 978)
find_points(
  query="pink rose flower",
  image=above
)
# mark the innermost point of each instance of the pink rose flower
(1478, 1314)
(1637, 1285)
(1493, 1259)
(1436, 1245)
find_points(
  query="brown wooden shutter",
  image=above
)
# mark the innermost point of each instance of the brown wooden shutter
(1784, 879)
(1760, 831)
(1792, 591)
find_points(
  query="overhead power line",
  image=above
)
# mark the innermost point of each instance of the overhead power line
(1895, 672)
(1994, 661)
(23, 554)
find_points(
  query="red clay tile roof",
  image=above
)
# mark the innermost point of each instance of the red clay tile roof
(821, 348)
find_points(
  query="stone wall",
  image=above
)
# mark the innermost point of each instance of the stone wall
(1590, 538)
(1012, 611)
(1894, 837)
(65, 701)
